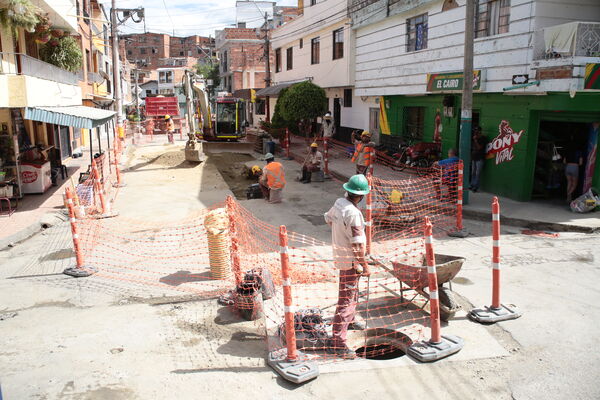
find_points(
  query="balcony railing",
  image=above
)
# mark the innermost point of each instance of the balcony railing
(21, 64)
(581, 39)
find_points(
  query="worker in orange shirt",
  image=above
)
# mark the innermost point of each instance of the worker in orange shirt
(362, 153)
(170, 128)
(272, 180)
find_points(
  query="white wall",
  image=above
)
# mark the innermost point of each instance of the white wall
(320, 21)
(29, 91)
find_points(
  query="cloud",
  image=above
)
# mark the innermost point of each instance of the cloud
(184, 17)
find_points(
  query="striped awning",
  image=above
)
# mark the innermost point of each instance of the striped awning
(75, 116)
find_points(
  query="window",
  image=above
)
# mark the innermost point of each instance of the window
(491, 17)
(416, 33)
(224, 61)
(338, 43)
(148, 92)
(260, 106)
(165, 77)
(313, 2)
(301, 43)
(374, 120)
(181, 53)
(154, 50)
(129, 52)
(143, 50)
(289, 57)
(314, 51)
(414, 122)
(182, 41)
(278, 60)
(347, 97)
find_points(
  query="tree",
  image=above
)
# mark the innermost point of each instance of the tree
(302, 103)
(209, 71)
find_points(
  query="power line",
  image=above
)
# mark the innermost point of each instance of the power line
(169, 15)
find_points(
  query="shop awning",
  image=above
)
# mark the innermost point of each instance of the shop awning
(273, 91)
(75, 116)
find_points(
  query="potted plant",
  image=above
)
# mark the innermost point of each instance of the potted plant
(65, 53)
(20, 14)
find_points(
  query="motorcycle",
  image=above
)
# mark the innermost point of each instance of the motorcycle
(419, 156)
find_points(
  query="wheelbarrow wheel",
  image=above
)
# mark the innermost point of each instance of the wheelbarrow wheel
(448, 304)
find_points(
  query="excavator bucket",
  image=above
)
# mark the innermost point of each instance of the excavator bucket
(227, 147)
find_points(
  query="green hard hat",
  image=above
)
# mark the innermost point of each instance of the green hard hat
(357, 184)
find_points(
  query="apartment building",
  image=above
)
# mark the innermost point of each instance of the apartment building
(319, 46)
(535, 96)
(198, 47)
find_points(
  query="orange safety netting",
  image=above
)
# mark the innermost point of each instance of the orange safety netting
(208, 253)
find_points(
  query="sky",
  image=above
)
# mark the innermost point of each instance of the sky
(182, 17)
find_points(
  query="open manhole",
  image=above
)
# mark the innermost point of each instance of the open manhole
(379, 352)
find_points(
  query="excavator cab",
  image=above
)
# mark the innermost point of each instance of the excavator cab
(230, 118)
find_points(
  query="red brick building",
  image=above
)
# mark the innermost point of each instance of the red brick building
(241, 56)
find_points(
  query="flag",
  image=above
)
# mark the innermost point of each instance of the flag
(384, 126)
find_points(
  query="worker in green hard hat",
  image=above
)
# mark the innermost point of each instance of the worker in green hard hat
(348, 240)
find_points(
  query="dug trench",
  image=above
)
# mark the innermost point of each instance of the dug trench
(231, 167)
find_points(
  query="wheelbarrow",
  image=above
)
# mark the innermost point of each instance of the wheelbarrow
(414, 278)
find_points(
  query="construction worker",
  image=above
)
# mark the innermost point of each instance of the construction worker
(272, 180)
(327, 126)
(170, 128)
(313, 163)
(348, 240)
(362, 152)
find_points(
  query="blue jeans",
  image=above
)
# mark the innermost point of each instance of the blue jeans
(476, 167)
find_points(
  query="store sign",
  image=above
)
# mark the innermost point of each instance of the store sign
(502, 146)
(29, 176)
(447, 81)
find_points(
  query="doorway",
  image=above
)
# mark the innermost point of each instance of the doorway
(337, 110)
(557, 141)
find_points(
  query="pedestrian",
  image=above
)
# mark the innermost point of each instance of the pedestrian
(272, 180)
(170, 128)
(362, 152)
(448, 175)
(573, 160)
(327, 127)
(348, 240)
(478, 148)
(313, 163)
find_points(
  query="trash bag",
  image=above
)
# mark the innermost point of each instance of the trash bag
(586, 202)
(311, 329)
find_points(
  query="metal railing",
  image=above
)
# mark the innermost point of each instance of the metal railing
(586, 43)
(21, 64)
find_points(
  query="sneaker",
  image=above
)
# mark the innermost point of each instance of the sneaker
(341, 351)
(357, 326)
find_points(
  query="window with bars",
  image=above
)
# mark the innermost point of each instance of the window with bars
(416, 33)
(492, 17)
(278, 60)
(289, 58)
(338, 43)
(315, 49)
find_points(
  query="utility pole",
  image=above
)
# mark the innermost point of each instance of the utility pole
(267, 56)
(114, 31)
(137, 93)
(466, 117)
(116, 66)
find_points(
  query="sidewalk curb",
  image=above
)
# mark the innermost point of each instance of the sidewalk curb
(485, 216)
(44, 222)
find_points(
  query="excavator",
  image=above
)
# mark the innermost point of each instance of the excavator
(228, 125)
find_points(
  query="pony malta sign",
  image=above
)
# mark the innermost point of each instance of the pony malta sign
(501, 147)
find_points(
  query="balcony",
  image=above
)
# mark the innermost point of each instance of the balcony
(28, 82)
(21, 64)
(574, 39)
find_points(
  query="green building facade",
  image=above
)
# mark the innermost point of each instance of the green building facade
(521, 163)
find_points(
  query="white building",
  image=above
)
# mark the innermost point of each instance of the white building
(319, 46)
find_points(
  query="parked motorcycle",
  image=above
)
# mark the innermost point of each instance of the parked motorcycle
(419, 156)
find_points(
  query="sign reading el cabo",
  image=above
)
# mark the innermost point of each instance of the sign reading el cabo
(447, 81)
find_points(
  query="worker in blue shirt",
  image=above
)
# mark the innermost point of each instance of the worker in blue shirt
(448, 176)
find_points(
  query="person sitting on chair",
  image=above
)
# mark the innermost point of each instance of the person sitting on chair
(313, 163)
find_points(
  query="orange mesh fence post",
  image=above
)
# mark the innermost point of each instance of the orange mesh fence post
(99, 188)
(434, 304)
(235, 256)
(369, 215)
(497, 312)
(119, 182)
(372, 161)
(438, 346)
(290, 332)
(459, 193)
(80, 270)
